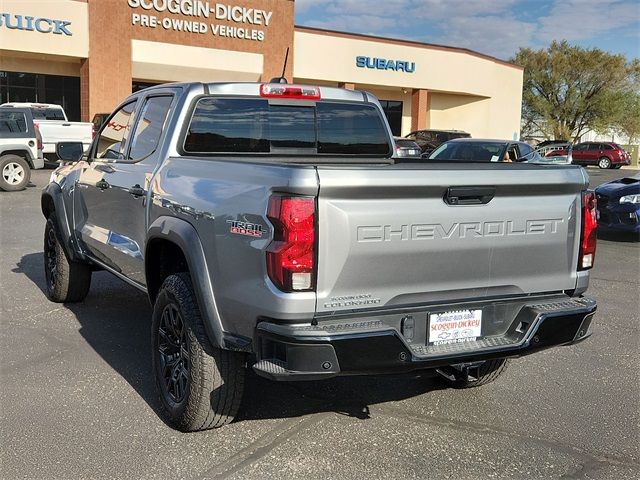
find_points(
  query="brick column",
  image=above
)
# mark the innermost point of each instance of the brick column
(348, 86)
(419, 109)
(105, 78)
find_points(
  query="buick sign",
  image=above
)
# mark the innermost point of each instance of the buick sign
(37, 24)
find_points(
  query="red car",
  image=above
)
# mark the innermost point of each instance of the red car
(605, 155)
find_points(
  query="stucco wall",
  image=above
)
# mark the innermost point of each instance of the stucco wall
(467, 91)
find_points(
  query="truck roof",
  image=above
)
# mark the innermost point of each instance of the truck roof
(253, 89)
(31, 105)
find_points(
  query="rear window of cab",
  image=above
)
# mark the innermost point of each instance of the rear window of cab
(253, 125)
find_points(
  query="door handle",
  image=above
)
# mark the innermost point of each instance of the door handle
(137, 191)
(469, 195)
(102, 184)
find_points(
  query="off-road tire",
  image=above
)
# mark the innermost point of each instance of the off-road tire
(487, 373)
(66, 281)
(604, 163)
(7, 165)
(213, 382)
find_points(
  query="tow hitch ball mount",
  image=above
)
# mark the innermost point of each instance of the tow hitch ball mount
(465, 372)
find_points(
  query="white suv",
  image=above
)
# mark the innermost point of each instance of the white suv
(20, 148)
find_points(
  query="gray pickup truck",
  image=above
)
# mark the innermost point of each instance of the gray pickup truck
(272, 229)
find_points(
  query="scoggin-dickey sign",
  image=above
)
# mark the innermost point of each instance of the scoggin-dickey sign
(249, 19)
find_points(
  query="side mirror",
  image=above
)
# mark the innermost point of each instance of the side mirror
(69, 151)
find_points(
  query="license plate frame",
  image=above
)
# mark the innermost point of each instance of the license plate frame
(454, 326)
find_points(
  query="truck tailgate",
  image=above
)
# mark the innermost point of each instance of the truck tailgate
(54, 131)
(386, 236)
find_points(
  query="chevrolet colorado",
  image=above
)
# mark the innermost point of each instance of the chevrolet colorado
(272, 229)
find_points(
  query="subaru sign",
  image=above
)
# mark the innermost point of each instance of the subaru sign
(384, 64)
(37, 24)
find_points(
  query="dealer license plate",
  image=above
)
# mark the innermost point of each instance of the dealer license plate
(454, 327)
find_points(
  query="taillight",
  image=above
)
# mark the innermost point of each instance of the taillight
(588, 237)
(36, 127)
(283, 90)
(291, 256)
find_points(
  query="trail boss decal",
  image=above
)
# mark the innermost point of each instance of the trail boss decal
(245, 228)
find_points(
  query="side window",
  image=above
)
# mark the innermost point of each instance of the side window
(594, 146)
(525, 151)
(605, 146)
(580, 146)
(512, 153)
(12, 122)
(149, 127)
(115, 132)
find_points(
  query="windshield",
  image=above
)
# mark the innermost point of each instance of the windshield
(47, 113)
(470, 151)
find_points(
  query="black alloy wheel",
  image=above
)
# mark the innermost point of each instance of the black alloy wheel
(173, 349)
(200, 386)
(66, 280)
(51, 259)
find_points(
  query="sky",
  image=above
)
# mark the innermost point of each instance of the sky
(493, 27)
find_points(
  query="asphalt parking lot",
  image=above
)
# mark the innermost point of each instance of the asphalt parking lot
(77, 395)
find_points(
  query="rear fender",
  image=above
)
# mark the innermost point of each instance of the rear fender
(185, 236)
(19, 150)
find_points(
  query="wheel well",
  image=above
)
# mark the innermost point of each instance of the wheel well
(47, 206)
(163, 258)
(20, 153)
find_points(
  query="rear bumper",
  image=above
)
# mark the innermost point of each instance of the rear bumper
(38, 161)
(373, 345)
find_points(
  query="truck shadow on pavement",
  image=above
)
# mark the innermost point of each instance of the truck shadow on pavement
(618, 236)
(115, 320)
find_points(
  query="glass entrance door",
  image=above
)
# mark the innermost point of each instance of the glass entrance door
(393, 111)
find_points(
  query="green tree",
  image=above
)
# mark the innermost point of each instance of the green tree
(570, 90)
(628, 121)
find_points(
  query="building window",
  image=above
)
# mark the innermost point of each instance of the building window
(393, 111)
(40, 88)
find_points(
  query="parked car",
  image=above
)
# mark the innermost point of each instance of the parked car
(602, 154)
(406, 149)
(429, 140)
(55, 127)
(297, 246)
(20, 148)
(483, 150)
(619, 205)
(549, 150)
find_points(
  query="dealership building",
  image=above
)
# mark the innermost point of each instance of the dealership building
(88, 55)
